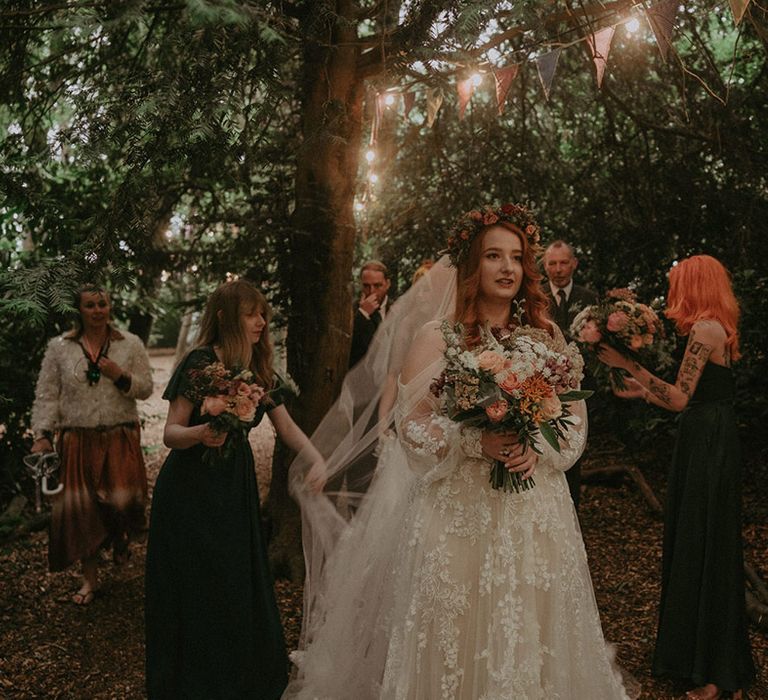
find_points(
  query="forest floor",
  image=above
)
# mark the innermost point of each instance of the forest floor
(50, 648)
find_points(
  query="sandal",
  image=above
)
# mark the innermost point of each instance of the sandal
(85, 598)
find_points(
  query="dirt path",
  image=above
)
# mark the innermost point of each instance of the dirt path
(50, 648)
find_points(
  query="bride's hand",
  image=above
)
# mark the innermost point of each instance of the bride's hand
(632, 389)
(522, 460)
(497, 445)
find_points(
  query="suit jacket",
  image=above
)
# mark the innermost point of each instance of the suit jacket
(363, 330)
(580, 298)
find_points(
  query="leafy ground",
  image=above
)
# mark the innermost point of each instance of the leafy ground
(50, 648)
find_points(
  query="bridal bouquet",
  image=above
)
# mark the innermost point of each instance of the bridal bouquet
(513, 380)
(230, 397)
(622, 322)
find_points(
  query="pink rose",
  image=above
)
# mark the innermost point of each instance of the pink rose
(497, 410)
(616, 321)
(490, 361)
(636, 342)
(510, 382)
(475, 215)
(245, 409)
(213, 405)
(590, 333)
(257, 393)
(243, 389)
(490, 218)
(551, 407)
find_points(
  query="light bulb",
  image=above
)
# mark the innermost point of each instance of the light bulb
(632, 25)
(476, 79)
(370, 155)
(389, 100)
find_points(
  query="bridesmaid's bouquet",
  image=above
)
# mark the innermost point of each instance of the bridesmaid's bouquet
(230, 398)
(513, 380)
(620, 321)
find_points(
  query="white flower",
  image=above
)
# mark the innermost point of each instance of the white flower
(469, 361)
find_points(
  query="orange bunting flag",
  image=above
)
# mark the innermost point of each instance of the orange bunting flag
(504, 77)
(738, 7)
(547, 65)
(600, 46)
(465, 88)
(409, 98)
(434, 102)
(661, 17)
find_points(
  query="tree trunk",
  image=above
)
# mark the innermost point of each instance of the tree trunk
(317, 263)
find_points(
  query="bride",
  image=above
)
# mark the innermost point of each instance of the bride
(425, 582)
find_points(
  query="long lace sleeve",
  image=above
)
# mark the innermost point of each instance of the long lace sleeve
(572, 445)
(431, 440)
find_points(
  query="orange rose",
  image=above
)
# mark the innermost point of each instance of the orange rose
(213, 405)
(510, 382)
(551, 407)
(636, 342)
(245, 409)
(490, 361)
(497, 410)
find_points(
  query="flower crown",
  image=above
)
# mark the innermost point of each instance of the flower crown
(473, 222)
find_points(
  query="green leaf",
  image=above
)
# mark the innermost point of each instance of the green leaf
(575, 395)
(549, 435)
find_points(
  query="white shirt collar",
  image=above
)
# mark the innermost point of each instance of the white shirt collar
(567, 289)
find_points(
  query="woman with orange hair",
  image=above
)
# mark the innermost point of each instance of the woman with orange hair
(702, 635)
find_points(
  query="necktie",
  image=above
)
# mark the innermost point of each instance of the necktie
(562, 311)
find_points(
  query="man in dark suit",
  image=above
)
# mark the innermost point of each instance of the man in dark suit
(371, 309)
(566, 300)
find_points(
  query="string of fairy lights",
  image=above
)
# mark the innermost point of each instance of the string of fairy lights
(389, 99)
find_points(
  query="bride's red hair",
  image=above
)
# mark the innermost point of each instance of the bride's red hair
(700, 289)
(468, 285)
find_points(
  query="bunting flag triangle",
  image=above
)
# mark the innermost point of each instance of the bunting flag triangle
(600, 46)
(464, 88)
(738, 7)
(546, 66)
(504, 77)
(409, 98)
(661, 17)
(434, 102)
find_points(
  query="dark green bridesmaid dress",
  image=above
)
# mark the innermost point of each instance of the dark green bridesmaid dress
(702, 635)
(212, 625)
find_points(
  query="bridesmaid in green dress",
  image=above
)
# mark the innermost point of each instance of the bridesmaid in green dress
(702, 636)
(212, 624)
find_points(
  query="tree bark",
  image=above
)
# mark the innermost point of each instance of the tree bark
(316, 263)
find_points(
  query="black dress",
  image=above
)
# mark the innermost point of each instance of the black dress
(212, 623)
(702, 632)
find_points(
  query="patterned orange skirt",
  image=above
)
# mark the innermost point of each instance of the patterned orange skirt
(104, 496)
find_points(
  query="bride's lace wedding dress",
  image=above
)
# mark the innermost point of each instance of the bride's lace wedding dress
(442, 588)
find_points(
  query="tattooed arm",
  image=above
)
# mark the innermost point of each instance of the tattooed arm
(706, 338)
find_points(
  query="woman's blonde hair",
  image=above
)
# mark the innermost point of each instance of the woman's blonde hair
(222, 325)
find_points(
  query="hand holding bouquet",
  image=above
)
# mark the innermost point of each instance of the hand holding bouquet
(512, 381)
(623, 323)
(230, 397)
